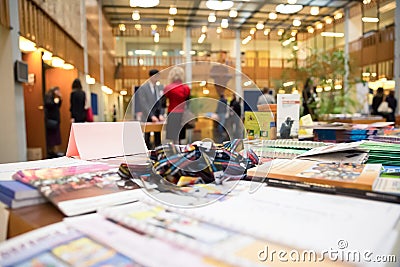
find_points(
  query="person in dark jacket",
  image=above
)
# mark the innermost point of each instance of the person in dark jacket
(234, 121)
(392, 103)
(78, 101)
(52, 104)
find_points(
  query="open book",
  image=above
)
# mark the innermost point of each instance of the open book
(80, 189)
(345, 175)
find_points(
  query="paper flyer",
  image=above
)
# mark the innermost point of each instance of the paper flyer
(288, 113)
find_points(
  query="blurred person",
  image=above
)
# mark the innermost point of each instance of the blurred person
(308, 97)
(177, 93)
(235, 116)
(222, 108)
(376, 101)
(392, 103)
(220, 73)
(151, 109)
(52, 104)
(78, 102)
(266, 97)
(114, 118)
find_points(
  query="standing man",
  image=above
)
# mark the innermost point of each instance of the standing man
(151, 109)
(221, 112)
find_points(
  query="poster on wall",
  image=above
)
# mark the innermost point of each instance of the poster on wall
(94, 103)
(288, 113)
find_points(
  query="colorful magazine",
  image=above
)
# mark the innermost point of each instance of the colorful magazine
(80, 189)
(339, 174)
(59, 245)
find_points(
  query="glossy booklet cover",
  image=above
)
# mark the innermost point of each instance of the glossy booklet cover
(339, 174)
(80, 189)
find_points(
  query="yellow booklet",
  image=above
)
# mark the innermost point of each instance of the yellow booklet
(259, 125)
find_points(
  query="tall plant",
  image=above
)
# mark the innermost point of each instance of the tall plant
(328, 69)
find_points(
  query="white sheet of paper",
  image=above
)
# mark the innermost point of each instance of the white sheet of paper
(305, 220)
(105, 139)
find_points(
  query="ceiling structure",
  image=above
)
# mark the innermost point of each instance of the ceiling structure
(194, 13)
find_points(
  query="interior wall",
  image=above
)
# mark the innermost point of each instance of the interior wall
(11, 113)
(66, 13)
(63, 79)
(34, 106)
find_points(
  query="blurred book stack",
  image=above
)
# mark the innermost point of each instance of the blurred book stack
(15, 194)
(340, 135)
(381, 152)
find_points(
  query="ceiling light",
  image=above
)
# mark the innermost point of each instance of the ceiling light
(68, 66)
(260, 25)
(332, 34)
(144, 3)
(201, 38)
(169, 28)
(224, 23)
(286, 42)
(203, 83)
(153, 27)
(314, 10)
(47, 55)
(338, 86)
(272, 16)
(266, 31)
(247, 83)
(212, 17)
(293, 33)
(319, 25)
(287, 84)
(123, 92)
(328, 20)
(122, 27)
(292, 2)
(369, 19)
(338, 15)
(106, 90)
(171, 22)
(156, 37)
(206, 91)
(280, 32)
(288, 9)
(136, 15)
(143, 52)
(138, 27)
(57, 62)
(26, 45)
(310, 29)
(295, 48)
(366, 2)
(219, 5)
(219, 30)
(246, 40)
(90, 80)
(233, 13)
(204, 29)
(296, 22)
(173, 10)
(253, 31)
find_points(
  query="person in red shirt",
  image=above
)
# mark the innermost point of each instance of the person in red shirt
(176, 93)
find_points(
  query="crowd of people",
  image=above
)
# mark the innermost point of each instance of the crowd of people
(152, 107)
